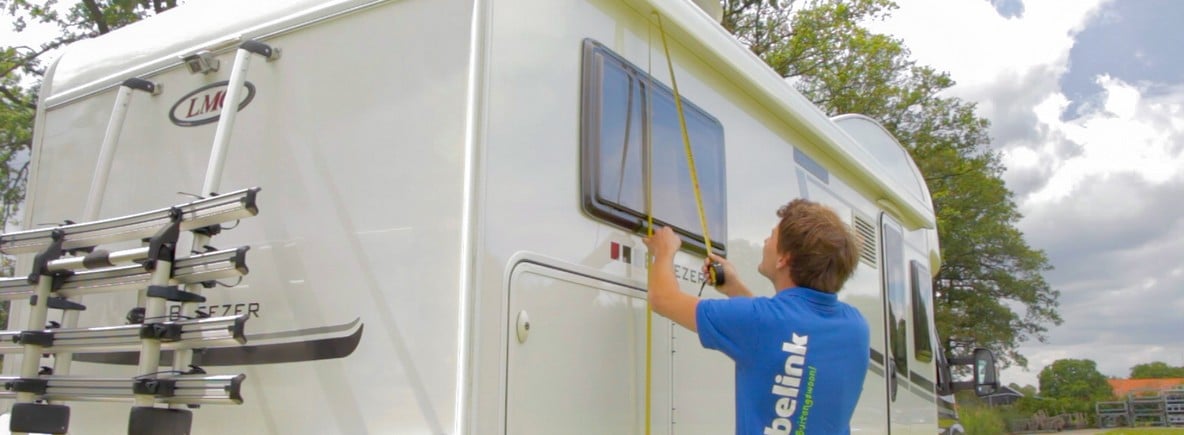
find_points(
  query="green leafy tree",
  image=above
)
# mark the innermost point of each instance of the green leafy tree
(1074, 379)
(843, 67)
(22, 67)
(1156, 370)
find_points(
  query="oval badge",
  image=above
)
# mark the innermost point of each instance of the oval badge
(203, 105)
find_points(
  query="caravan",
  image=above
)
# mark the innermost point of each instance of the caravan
(425, 217)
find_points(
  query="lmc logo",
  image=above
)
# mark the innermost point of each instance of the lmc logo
(203, 105)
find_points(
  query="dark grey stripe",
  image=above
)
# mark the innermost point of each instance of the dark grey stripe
(929, 396)
(921, 381)
(877, 357)
(327, 348)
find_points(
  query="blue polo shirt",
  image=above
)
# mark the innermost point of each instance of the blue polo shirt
(800, 355)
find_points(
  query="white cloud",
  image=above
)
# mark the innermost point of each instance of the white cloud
(987, 53)
(977, 46)
(1121, 136)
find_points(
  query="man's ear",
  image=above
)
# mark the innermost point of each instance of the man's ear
(783, 260)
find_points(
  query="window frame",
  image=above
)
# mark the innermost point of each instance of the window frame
(596, 58)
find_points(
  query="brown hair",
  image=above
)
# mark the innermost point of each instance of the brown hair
(822, 248)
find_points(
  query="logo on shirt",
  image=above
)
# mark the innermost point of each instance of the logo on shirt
(788, 386)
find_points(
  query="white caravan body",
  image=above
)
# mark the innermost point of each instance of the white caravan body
(425, 177)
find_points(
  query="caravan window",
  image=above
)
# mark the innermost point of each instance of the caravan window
(922, 289)
(630, 120)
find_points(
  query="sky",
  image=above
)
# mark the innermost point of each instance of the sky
(1086, 104)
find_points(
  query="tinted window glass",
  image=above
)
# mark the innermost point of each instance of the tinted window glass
(625, 111)
(922, 301)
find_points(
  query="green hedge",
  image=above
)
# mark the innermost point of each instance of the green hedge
(982, 421)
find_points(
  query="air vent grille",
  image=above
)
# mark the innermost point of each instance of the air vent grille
(867, 240)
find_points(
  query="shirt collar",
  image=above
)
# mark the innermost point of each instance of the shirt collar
(815, 296)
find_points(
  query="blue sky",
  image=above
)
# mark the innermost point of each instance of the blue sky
(1086, 101)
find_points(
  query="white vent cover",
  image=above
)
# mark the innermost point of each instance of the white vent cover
(867, 239)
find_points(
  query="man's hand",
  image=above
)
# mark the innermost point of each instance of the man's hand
(663, 291)
(663, 244)
(732, 287)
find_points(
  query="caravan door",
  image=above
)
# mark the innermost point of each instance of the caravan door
(895, 326)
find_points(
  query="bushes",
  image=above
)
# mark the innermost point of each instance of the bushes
(979, 420)
(1051, 407)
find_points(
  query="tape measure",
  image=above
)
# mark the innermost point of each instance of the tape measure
(715, 272)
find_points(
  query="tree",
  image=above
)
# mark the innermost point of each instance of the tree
(844, 68)
(21, 69)
(1074, 379)
(1156, 370)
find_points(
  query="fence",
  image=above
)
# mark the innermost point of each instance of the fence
(1144, 408)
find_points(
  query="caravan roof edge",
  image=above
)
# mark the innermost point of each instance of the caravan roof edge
(142, 48)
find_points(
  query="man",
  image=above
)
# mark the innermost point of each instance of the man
(800, 355)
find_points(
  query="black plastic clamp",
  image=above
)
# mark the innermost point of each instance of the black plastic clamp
(42, 259)
(165, 332)
(140, 84)
(260, 48)
(135, 315)
(163, 245)
(173, 293)
(248, 200)
(60, 303)
(209, 230)
(27, 385)
(154, 386)
(35, 338)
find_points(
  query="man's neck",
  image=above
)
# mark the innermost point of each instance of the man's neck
(781, 283)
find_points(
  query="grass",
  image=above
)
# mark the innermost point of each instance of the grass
(1146, 431)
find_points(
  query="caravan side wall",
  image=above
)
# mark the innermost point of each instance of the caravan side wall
(356, 137)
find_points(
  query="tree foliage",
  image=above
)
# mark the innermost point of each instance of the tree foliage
(822, 47)
(1074, 379)
(1156, 370)
(22, 67)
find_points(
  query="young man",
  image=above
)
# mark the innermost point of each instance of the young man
(800, 355)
